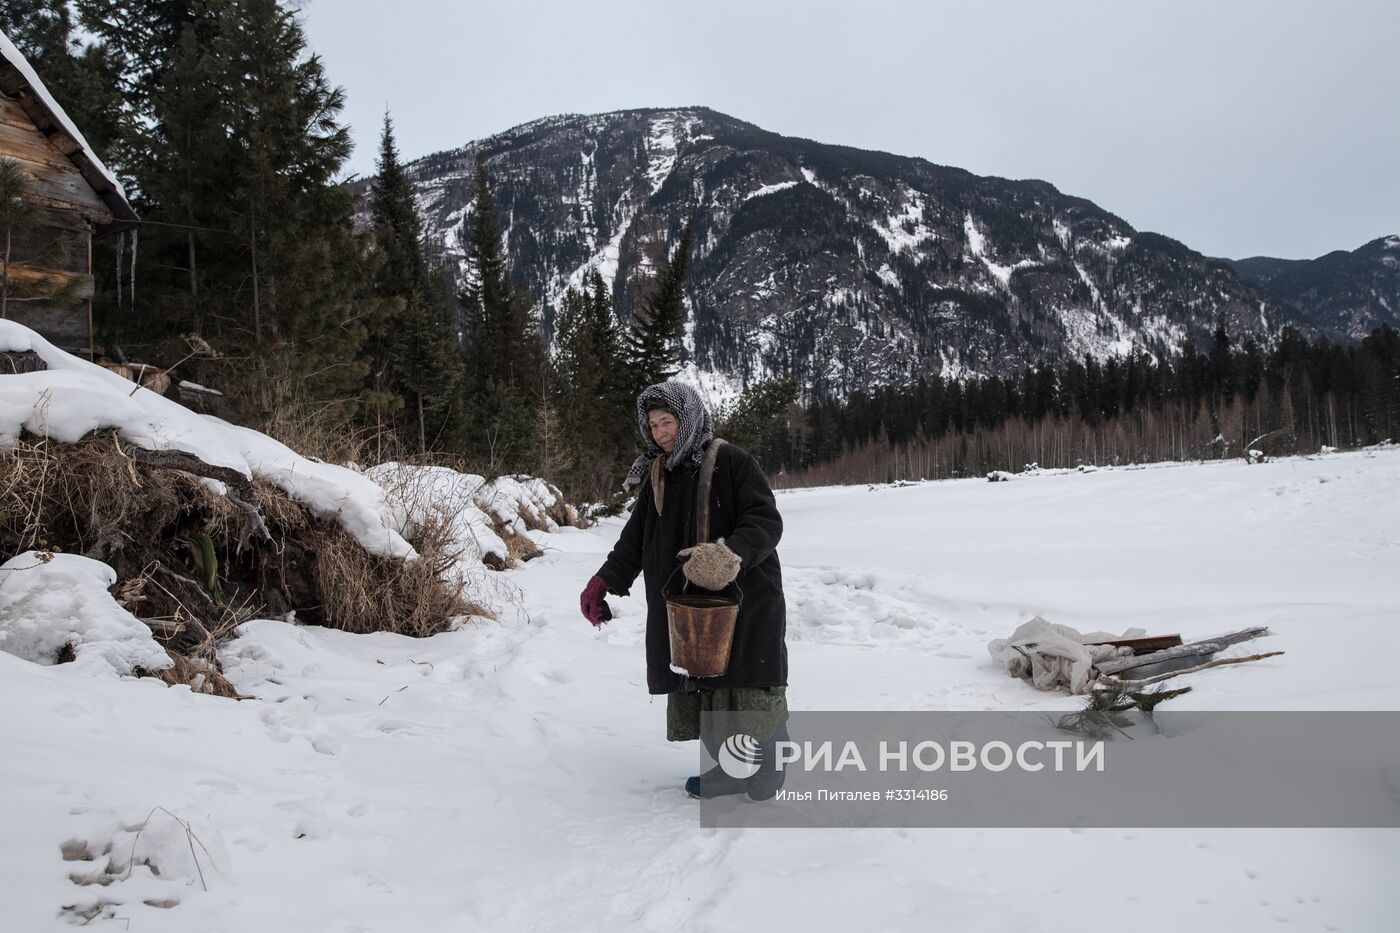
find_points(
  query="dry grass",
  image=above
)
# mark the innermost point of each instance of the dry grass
(533, 520)
(361, 592)
(567, 515)
(77, 496)
(200, 676)
(279, 509)
(519, 547)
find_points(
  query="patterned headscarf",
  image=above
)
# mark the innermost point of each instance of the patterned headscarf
(694, 428)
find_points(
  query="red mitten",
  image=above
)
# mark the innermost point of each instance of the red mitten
(595, 608)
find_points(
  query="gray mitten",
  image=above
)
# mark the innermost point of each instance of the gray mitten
(711, 566)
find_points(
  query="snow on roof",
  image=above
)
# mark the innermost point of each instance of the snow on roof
(56, 113)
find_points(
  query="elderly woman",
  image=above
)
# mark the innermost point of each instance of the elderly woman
(658, 539)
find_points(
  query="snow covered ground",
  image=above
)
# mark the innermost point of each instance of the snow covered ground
(514, 775)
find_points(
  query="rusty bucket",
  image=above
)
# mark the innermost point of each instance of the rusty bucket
(702, 631)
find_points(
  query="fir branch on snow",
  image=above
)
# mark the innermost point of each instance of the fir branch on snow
(1105, 713)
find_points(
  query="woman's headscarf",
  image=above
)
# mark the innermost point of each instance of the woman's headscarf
(694, 428)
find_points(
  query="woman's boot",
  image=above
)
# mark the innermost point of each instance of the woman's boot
(765, 784)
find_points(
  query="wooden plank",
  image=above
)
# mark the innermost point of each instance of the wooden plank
(66, 328)
(54, 279)
(1171, 664)
(11, 78)
(1239, 635)
(39, 114)
(1219, 662)
(1194, 649)
(1143, 643)
(30, 147)
(1168, 654)
(65, 186)
(91, 334)
(70, 221)
(56, 180)
(62, 187)
(55, 248)
(31, 154)
(26, 142)
(63, 142)
(13, 114)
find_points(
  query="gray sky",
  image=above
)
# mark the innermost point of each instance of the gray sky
(1239, 127)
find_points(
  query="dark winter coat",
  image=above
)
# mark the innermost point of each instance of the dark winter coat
(744, 513)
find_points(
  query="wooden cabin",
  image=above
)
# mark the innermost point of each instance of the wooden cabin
(50, 257)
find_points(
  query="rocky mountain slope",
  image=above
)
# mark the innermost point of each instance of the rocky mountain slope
(841, 266)
(1344, 294)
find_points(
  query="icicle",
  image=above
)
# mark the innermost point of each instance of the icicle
(135, 237)
(121, 248)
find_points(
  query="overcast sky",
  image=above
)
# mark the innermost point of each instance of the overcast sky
(1239, 127)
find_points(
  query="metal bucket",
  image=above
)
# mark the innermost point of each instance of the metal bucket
(702, 631)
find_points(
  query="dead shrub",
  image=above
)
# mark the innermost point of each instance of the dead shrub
(519, 547)
(362, 592)
(533, 520)
(81, 497)
(566, 515)
(200, 676)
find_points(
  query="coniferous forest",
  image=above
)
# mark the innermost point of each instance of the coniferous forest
(356, 340)
(1293, 397)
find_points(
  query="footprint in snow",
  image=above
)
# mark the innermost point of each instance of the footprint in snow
(373, 881)
(222, 785)
(71, 710)
(550, 676)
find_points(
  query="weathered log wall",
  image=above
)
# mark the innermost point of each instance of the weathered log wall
(55, 180)
(52, 257)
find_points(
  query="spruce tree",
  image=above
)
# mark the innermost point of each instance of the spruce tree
(167, 137)
(397, 227)
(616, 400)
(758, 420)
(141, 37)
(592, 391)
(503, 355)
(304, 310)
(414, 363)
(187, 180)
(398, 273)
(653, 344)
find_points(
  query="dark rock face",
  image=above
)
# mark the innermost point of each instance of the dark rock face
(1345, 295)
(842, 267)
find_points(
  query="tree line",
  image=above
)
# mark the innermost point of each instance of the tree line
(1295, 396)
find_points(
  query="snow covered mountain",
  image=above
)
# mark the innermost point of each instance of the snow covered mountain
(1344, 294)
(841, 266)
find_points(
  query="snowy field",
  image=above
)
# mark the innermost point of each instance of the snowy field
(514, 776)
